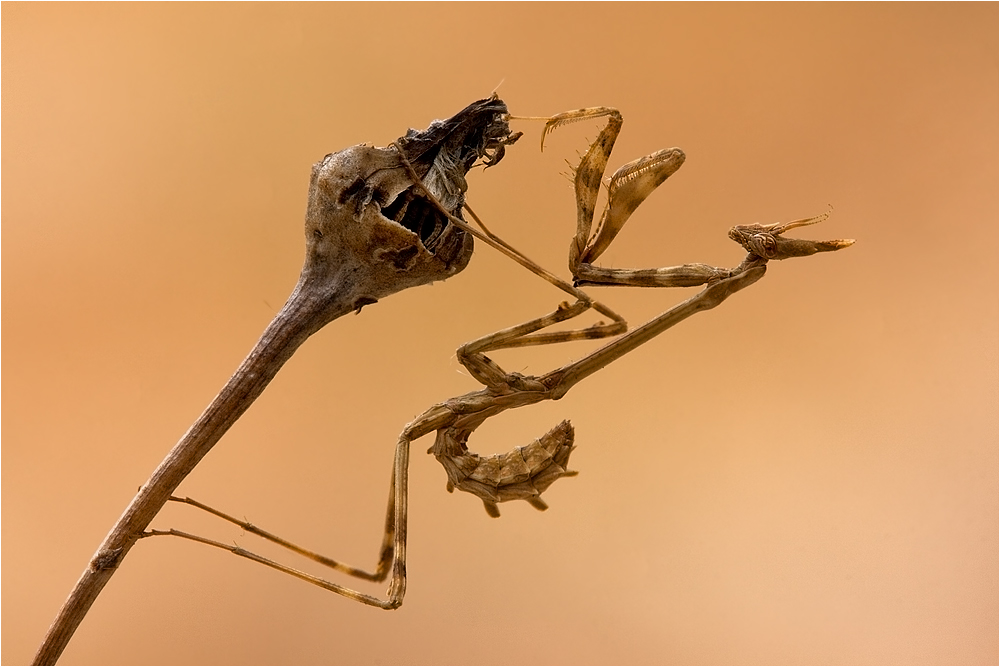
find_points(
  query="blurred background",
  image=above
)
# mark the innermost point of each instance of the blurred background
(807, 474)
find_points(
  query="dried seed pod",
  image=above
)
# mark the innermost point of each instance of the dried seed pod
(371, 231)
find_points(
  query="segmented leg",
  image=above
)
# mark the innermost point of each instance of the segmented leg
(392, 553)
(381, 570)
(589, 173)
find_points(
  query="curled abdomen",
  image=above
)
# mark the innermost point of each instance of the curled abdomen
(523, 473)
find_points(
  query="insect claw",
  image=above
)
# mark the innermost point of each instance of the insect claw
(627, 189)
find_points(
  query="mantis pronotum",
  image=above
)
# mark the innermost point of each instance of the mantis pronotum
(380, 220)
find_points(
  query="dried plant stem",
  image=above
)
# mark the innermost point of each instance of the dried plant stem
(301, 316)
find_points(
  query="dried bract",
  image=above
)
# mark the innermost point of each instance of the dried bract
(372, 232)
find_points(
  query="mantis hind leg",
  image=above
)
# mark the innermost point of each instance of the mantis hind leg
(392, 554)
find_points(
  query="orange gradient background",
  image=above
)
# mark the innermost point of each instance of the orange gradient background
(807, 474)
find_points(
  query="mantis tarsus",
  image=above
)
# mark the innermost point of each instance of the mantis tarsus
(380, 220)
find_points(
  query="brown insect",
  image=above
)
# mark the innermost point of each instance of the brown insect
(380, 220)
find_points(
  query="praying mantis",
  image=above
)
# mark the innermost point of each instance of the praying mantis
(380, 220)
